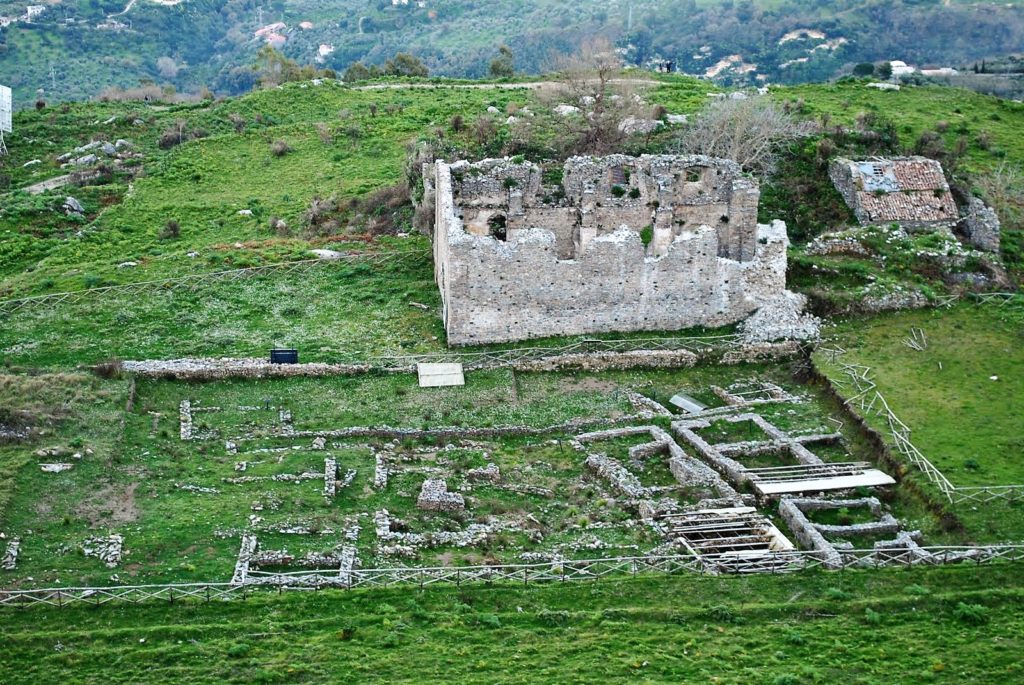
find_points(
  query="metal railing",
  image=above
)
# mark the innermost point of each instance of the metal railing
(525, 574)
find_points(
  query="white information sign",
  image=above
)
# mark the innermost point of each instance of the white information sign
(6, 109)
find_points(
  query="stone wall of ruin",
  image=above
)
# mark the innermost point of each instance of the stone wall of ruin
(574, 262)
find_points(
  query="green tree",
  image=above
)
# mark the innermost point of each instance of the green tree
(864, 69)
(405, 64)
(357, 71)
(503, 66)
(884, 70)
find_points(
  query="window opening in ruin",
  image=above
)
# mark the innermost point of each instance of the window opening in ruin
(693, 176)
(497, 227)
(618, 175)
(724, 218)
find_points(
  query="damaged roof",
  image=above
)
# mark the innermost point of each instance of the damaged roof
(900, 189)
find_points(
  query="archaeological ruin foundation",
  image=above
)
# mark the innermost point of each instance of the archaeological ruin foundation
(616, 243)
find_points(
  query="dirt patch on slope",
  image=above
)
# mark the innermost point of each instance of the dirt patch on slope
(110, 506)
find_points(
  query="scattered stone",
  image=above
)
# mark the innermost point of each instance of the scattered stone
(185, 417)
(32, 162)
(245, 555)
(490, 473)
(327, 254)
(617, 475)
(127, 265)
(980, 225)
(73, 206)
(781, 318)
(106, 549)
(198, 489)
(566, 110)
(434, 496)
(55, 468)
(633, 125)
(87, 160)
(10, 559)
(108, 149)
(245, 212)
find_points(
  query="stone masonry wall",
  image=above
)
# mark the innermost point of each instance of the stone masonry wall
(573, 262)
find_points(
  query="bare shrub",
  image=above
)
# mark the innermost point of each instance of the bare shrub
(175, 135)
(109, 368)
(1003, 189)
(171, 231)
(237, 121)
(457, 123)
(484, 130)
(324, 133)
(587, 82)
(751, 132)
(382, 206)
(280, 148)
(319, 217)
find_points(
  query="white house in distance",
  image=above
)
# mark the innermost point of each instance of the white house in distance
(901, 68)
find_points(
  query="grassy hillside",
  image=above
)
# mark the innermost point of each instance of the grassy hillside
(242, 188)
(864, 627)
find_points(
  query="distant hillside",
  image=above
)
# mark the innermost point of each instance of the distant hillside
(75, 50)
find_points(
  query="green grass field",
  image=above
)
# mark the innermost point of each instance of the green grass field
(864, 627)
(964, 421)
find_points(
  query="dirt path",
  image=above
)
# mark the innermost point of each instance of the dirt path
(532, 85)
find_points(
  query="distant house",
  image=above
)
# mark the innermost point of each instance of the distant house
(910, 191)
(900, 68)
(270, 29)
(323, 52)
(940, 71)
(33, 11)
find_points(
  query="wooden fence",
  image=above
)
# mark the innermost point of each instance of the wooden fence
(518, 574)
(870, 401)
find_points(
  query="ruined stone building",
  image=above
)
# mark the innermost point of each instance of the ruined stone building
(604, 244)
(910, 191)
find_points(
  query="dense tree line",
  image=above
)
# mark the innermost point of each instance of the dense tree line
(211, 43)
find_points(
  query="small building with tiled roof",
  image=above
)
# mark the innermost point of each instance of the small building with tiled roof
(910, 191)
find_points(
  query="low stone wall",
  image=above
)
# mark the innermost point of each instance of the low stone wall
(216, 369)
(210, 369)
